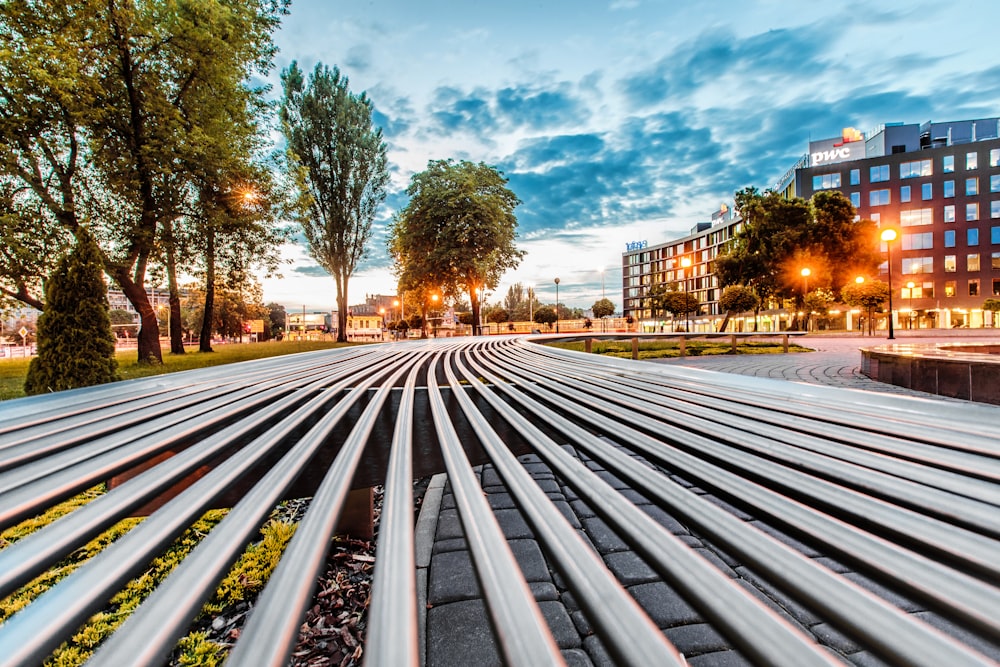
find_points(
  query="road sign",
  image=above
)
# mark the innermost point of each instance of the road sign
(23, 332)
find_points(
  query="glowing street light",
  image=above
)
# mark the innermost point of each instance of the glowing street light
(889, 235)
(557, 305)
(806, 272)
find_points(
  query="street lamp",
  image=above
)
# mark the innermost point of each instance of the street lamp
(806, 272)
(557, 305)
(685, 263)
(909, 319)
(889, 235)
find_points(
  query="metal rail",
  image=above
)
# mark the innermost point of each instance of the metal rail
(903, 491)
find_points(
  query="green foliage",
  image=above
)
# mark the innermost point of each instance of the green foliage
(545, 315)
(603, 308)
(338, 160)
(782, 236)
(870, 294)
(992, 304)
(76, 347)
(457, 231)
(497, 316)
(738, 299)
(520, 302)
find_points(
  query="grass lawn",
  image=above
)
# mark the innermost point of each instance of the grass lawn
(13, 371)
(694, 348)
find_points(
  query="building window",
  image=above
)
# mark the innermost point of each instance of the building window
(919, 265)
(996, 287)
(974, 287)
(927, 290)
(948, 164)
(949, 264)
(995, 208)
(972, 262)
(995, 183)
(913, 169)
(878, 174)
(972, 186)
(972, 160)
(949, 238)
(916, 217)
(856, 199)
(949, 288)
(994, 235)
(949, 189)
(972, 236)
(922, 241)
(995, 261)
(826, 181)
(995, 157)
(972, 211)
(927, 191)
(855, 177)
(878, 197)
(949, 213)
(904, 194)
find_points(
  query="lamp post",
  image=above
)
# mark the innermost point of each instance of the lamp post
(685, 264)
(806, 272)
(860, 280)
(889, 235)
(557, 305)
(909, 319)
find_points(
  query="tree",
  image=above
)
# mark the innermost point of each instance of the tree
(112, 109)
(782, 236)
(123, 322)
(680, 304)
(457, 231)
(276, 320)
(338, 160)
(520, 302)
(869, 295)
(603, 308)
(497, 316)
(738, 299)
(76, 347)
(817, 301)
(546, 315)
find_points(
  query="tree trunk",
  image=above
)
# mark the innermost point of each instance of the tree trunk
(148, 338)
(477, 327)
(205, 337)
(725, 321)
(341, 282)
(176, 330)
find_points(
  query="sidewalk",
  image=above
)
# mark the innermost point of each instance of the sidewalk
(456, 629)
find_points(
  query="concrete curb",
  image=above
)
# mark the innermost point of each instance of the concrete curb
(424, 533)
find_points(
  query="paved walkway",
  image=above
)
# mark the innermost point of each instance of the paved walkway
(456, 628)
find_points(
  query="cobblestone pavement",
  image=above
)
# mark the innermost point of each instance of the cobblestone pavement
(456, 628)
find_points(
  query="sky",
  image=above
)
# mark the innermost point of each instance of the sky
(625, 120)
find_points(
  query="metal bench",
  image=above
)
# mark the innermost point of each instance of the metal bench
(902, 491)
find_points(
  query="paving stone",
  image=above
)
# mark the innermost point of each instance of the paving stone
(665, 519)
(696, 639)
(538, 470)
(598, 654)
(513, 524)
(830, 636)
(635, 497)
(866, 659)
(719, 659)
(629, 568)
(491, 478)
(544, 591)
(449, 525)
(803, 548)
(664, 605)
(605, 539)
(833, 564)
(581, 509)
(451, 544)
(500, 501)
(550, 487)
(576, 657)
(452, 576)
(568, 513)
(714, 559)
(960, 633)
(887, 594)
(798, 611)
(731, 509)
(560, 624)
(581, 622)
(459, 634)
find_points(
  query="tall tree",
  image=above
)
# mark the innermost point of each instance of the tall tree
(457, 231)
(338, 159)
(108, 104)
(76, 347)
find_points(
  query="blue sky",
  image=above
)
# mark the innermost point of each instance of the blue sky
(626, 120)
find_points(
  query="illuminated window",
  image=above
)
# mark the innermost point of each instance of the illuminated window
(948, 163)
(995, 261)
(855, 176)
(972, 186)
(927, 191)
(972, 236)
(916, 217)
(950, 264)
(918, 265)
(949, 288)
(972, 262)
(972, 211)
(949, 189)
(949, 213)
(921, 241)
(878, 197)
(974, 287)
(972, 160)
(996, 287)
(904, 193)
(878, 173)
(913, 169)
(826, 181)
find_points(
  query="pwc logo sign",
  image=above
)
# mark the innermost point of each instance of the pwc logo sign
(849, 146)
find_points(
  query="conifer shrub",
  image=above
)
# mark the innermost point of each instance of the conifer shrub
(76, 347)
